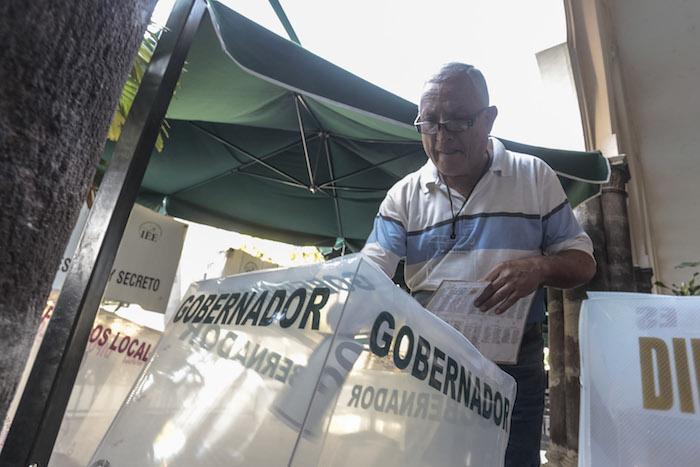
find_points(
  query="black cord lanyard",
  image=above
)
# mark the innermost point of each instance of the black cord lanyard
(454, 216)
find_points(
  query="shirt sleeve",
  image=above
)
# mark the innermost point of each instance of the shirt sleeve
(560, 229)
(386, 245)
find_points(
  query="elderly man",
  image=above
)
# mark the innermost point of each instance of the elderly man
(476, 211)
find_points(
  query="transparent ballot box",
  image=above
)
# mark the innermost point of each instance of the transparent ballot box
(326, 364)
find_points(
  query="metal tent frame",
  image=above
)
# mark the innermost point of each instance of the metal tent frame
(328, 187)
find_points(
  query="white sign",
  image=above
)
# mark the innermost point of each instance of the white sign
(497, 337)
(117, 350)
(640, 375)
(146, 261)
(325, 364)
(238, 261)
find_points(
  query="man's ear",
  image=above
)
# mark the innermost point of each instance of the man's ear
(490, 115)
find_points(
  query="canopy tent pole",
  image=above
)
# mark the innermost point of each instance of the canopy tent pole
(377, 141)
(335, 193)
(240, 167)
(357, 189)
(256, 159)
(38, 418)
(306, 107)
(374, 166)
(291, 181)
(327, 149)
(312, 184)
(282, 16)
(277, 180)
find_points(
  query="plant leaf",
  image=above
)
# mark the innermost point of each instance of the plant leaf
(138, 69)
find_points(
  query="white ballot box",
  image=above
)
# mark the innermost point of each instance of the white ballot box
(325, 364)
(640, 377)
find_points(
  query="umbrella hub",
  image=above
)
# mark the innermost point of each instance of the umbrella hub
(313, 189)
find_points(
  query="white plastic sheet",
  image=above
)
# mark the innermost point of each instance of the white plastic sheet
(640, 375)
(300, 367)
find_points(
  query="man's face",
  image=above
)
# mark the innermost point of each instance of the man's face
(456, 153)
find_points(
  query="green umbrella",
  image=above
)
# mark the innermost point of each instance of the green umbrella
(270, 140)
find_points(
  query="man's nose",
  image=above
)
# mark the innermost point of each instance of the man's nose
(442, 133)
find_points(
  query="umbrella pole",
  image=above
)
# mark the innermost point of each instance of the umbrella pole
(38, 418)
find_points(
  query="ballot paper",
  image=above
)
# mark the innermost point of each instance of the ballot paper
(497, 337)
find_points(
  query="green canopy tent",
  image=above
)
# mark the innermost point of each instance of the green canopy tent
(271, 140)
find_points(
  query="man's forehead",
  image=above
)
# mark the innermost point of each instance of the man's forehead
(454, 94)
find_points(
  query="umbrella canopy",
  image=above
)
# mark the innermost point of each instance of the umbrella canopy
(270, 140)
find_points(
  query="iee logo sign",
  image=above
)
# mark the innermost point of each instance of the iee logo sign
(150, 231)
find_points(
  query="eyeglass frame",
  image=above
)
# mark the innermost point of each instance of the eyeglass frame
(470, 123)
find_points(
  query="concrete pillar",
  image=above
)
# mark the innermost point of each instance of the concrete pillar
(572, 307)
(557, 386)
(618, 243)
(564, 311)
(642, 279)
(591, 219)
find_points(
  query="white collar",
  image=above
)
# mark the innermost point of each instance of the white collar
(500, 165)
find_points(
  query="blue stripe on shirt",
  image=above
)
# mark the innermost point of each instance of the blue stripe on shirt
(481, 233)
(390, 234)
(558, 226)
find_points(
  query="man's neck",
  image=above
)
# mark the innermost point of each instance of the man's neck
(464, 184)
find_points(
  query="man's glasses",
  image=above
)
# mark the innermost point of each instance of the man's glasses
(453, 126)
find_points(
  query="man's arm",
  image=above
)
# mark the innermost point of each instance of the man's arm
(512, 280)
(386, 244)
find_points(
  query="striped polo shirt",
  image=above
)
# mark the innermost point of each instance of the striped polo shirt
(517, 210)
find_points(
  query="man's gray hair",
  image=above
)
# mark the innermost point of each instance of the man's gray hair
(453, 69)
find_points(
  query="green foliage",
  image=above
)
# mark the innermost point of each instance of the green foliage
(684, 289)
(148, 46)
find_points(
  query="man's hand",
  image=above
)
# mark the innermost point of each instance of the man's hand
(509, 282)
(513, 280)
